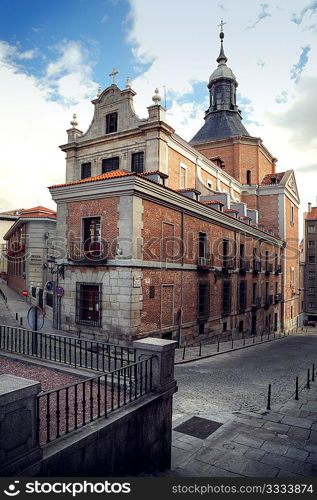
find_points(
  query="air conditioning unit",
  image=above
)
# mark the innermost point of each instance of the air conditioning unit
(202, 261)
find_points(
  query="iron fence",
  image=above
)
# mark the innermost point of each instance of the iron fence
(61, 411)
(73, 351)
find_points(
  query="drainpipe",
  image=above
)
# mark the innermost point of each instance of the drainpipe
(181, 284)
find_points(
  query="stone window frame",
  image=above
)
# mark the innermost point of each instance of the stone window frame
(292, 218)
(111, 156)
(136, 151)
(311, 228)
(97, 323)
(113, 112)
(311, 243)
(82, 225)
(165, 285)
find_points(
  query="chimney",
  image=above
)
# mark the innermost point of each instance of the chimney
(309, 207)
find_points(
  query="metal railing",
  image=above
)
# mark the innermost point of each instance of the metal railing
(61, 411)
(244, 265)
(268, 268)
(257, 266)
(88, 252)
(78, 352)
(228, 262)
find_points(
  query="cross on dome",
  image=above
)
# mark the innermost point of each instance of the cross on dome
(114, 76)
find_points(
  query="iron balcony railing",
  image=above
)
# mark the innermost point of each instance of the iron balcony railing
(88, 252)
(205, 262)
(268, 268)
(278, 297)
(73, 351)
(228, 263)
(61, 411)
(268, 301)
(278, 269)
(256, 303)
(244, 265)
(256, 266)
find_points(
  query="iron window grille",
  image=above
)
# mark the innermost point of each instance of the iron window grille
(137, 162)
(110, 164)
(111, 123)
(226, 297)
(85, 170)
(203, 299)
(33, 291)
(88, 304)
(242, 295)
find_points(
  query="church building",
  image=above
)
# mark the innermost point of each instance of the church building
(191, 241)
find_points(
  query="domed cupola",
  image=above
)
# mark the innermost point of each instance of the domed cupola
(223, 117)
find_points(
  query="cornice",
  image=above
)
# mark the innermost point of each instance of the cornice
(146, 189)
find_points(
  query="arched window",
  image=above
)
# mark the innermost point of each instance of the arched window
(248, 176)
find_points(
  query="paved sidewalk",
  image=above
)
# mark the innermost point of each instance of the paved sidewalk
(277, 443)
(17, 304)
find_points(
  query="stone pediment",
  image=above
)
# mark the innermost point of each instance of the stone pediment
(112, 100)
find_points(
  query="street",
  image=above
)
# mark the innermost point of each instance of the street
(239, 380)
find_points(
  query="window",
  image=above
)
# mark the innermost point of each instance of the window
(292, 277)
(203, 298)
(291, 311)
(152, 292)
(209, 185)
(311, 244)
(267, 292)
(242, 295)
(88, 304)
(111, 123)
(226, 297)
(33, 291)
(85, 170)
(91, 235)
(241, 325)
(292, 214)
(248, 176)
(202, 247)
(254, 293)
(311, 228)
(311, 259)
(311, 290)
(311, 275)
(109, 164)
(311, 305)
(201, 329)
(182, 177)
(224, 327)
(49, 299)
(137, 162)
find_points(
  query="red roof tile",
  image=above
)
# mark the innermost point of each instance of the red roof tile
(267, 179)
(108, 175)
(312, 214)
(212, 202)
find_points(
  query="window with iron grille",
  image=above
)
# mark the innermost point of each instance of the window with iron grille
(203, 298)
(109, 164)
(49, 299)
(111, 123)
(152, 292)
(33, 291)
(202, 246)
(242, 294)
(85, 170)
(137, 162)
(226, 297)
(88, 304)
(311, 259)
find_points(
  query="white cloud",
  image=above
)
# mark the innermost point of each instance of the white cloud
(32, 125)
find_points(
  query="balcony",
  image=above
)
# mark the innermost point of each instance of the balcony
(277, 297)
(256, 267)
(256, 303)
(278, 269)
(268, 268)
(205, 263)
(244, 266)
(268, 301)
(93, 253)
(228, 264)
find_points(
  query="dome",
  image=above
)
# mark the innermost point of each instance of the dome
(223, 71)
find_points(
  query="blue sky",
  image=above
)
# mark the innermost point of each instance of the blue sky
(54, 55)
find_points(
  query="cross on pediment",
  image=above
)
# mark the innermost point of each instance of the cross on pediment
(221, 25)
(114, 76)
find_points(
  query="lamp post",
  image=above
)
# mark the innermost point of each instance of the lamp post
(56, 267)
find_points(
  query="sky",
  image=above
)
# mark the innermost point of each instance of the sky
(55, 55)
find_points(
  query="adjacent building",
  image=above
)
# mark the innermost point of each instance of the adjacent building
(6, 220)
(29, 243)
(162, 237)
(310, 254)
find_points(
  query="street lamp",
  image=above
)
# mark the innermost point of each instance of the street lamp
(56, 267)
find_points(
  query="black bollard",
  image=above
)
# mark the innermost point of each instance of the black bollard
(269, 398)
(313, 373)
(296, 390)
(184, 352)
(16, 316)
(261, 336)
(199, 348)
(218, 346)
(231, 341)
(21, 321)
(308, 379)
(243, 340)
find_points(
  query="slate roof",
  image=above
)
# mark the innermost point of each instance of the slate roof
(220, 125)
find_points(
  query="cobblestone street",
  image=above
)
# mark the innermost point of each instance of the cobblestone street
(239, 380)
